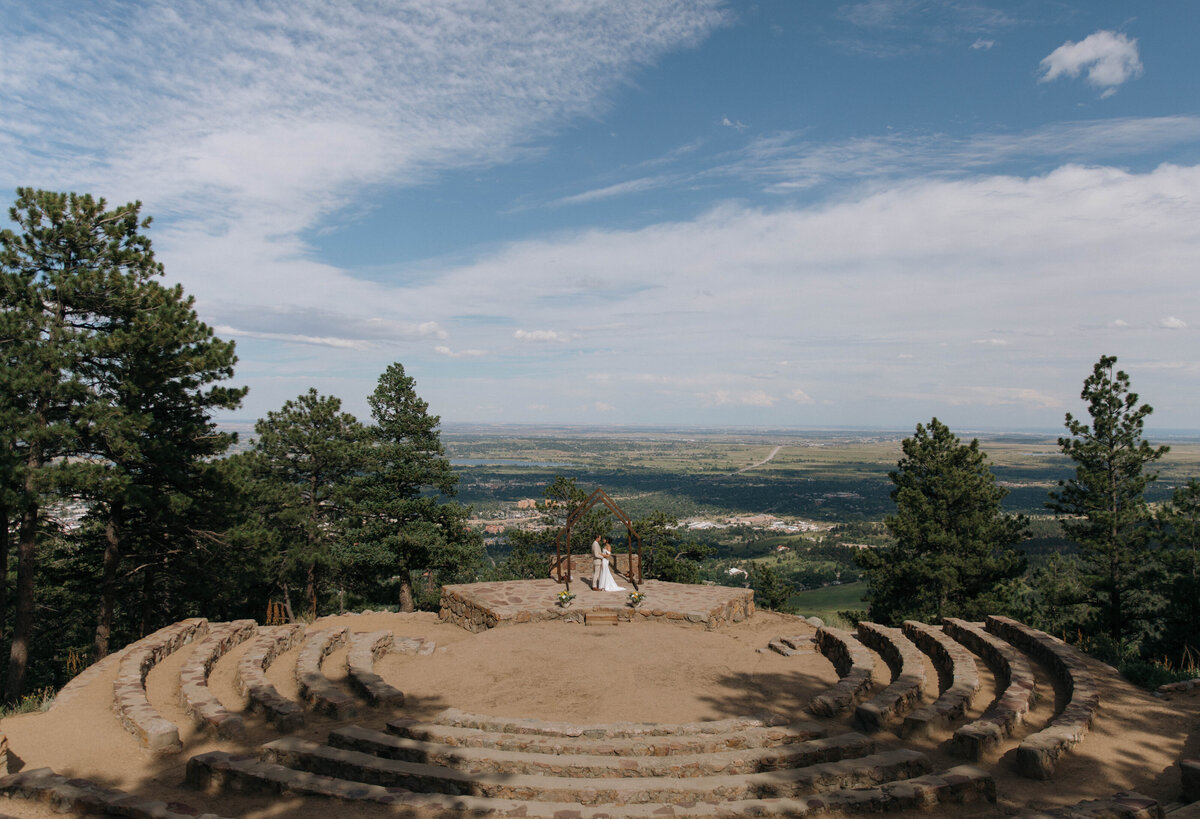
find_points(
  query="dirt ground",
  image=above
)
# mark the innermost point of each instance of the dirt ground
(639, 672)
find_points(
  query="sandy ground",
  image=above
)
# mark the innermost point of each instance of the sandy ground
(644, 672)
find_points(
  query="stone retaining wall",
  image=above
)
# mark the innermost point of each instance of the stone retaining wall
(129, 688)
(581, 565)
(81, 796)
(1038, 754)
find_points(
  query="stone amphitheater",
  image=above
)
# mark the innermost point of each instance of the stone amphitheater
(692, 704)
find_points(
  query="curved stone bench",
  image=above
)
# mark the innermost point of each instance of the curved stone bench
(854, 664)
(252, 682)
(596, 741)
(1037, 755)
(863, 772)
(134, 710)
(557, 762)
(1015, 690)
(908, 677)
(954, 663)
(82, 796)
(365, 649)
(223, 772)
(197, 700)
(315, 688)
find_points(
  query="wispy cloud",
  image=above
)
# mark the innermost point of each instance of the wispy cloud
(1172, 323)
(1110, 59)
(544, 336)
(447, 352)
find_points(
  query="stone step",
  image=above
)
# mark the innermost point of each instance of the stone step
(908, 677)
(600, 743)
(219, 771)
(612, 730)
(1124, 805)
(82, 796)
(779, 647)
(800, 642)
(862, 772)
(491, 760)
(854, 663)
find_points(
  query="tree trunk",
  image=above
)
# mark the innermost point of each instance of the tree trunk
(4, 543)
(310, 590)
(147, 600)
(18, 656)
(108, 585)
(406, 591)
(287, 604)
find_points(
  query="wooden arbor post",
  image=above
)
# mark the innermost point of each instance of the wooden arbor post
(562, 543)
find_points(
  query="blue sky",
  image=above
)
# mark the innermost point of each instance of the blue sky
(778, 213)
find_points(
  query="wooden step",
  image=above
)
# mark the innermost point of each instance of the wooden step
(600, 618)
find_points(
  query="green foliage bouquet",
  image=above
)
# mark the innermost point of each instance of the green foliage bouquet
(636, 598)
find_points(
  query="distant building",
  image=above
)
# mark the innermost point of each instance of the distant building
(733, 571)
(527, 503)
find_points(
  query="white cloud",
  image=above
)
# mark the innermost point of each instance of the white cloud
(800, 397)
(740, 398)
(1118, 324)
(982, 44)
(446, 351)
(543, 335)
(1109, 58)
(601, 406)
(292, 338)
(991, 342)
(737, 125)
(1172, 323)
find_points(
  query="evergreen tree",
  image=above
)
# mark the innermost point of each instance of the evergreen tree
(953, 554)
(304, 459)
(666, 556)
(103, 394)
(401, 524)
(1178, 531)
(1105, 505)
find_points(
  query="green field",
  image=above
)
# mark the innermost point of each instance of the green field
(828, 601)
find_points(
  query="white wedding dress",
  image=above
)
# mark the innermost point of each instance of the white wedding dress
(607, 583)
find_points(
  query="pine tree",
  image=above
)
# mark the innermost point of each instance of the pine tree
(304, 459)
(402, 524)
(101, 362)
(953, 554)
(1105, 505)
(1177, 524)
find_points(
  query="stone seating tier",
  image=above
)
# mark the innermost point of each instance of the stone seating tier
(854, 664)
(908, 677)
(1038, 754)
(141, 719)
(955, 665)
(251, 679)
(1015, 691)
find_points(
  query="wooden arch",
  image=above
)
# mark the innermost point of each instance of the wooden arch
(562, 543)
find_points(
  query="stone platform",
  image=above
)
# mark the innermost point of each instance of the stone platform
(480, 606)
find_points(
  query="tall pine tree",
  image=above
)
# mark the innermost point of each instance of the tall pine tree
(1104, 505)
(402, 520)
(954, 552)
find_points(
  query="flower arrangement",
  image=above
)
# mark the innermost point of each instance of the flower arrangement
(565, 597)
(636, 598)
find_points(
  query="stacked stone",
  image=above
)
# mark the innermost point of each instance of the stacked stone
(1038, 754)
(365, 649)
(252, 682)
(954, 662)
(908, 677)
(1016, 695)
(194, 695)
(315, 688)
(81, 796)
(854, 664)
(129, 688)
(1123, 805)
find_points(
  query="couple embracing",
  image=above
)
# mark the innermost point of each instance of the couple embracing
(602, 579)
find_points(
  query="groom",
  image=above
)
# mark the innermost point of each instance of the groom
(597, 563)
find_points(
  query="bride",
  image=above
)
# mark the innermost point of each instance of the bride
(607, 583)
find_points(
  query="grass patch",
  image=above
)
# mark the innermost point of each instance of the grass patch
(828, 601)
